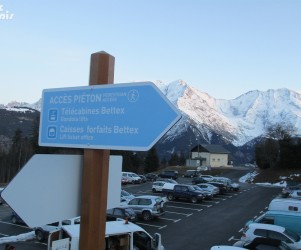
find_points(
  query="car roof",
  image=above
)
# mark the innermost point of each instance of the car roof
(286, 200)
(290, 213)
(120, 206)
(149, 196)
(266, 226)
(112, 228)
(225, 248)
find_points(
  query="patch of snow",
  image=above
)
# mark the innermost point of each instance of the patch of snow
(20, 237)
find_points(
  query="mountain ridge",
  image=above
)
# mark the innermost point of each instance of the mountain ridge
(237, 121)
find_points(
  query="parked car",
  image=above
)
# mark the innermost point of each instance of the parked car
(182, 191)
(167, 180)
(16, 219)
(296, 194)
(131, 177)
(222, 187)
(234, 186)
(222, 247)
(231, 185)
(147, 206)
(209, 187)
(263, 243)
(207, 177)
(191, 173)
(143, 178)
(285, 204)
(197, 180)
(123, 212)
(157, 186)
(151, 176)
(169, 174)
(286, 191)
(289, 220)
(125, 196)
(42, 232)
(124, 181)
(207, 194)
(272, 231)
(204, 168)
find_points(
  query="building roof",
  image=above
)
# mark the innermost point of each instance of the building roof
(210, 148)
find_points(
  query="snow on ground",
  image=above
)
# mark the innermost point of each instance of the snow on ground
(20, 237)
(249, 177)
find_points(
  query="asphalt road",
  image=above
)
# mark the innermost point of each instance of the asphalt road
(185, 225)
(209, 223)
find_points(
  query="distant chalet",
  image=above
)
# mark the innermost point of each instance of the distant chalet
(208, 155)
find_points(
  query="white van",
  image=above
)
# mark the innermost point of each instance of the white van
(285, 204)
(287, 219)
(131, 177)
(123, 235)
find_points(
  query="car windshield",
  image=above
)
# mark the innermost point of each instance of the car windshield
(292, 235)
(125, 193)
(190, 188)
(129, 211)
(158, 200)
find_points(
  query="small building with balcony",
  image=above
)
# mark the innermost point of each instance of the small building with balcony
(210, 155)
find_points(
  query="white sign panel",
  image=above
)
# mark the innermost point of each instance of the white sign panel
(60, 244)
(48, 188)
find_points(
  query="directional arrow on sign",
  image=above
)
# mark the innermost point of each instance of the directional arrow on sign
(48, 188)
(132, 116)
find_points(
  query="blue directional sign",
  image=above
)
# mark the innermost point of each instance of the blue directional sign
(131, 116)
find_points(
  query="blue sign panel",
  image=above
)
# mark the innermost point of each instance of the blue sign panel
(132, 116)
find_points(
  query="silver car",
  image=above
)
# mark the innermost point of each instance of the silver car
(208, 187)
(158, 186)
(125, 196)
(147, 206)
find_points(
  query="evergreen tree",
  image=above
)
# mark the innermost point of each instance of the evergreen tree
(164, 162)
(174, 160)
(182, 159)
(275, 150)
(151, 161)
(290, 156)
(20, 152)
(35, 135)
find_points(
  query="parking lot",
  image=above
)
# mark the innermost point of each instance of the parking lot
(176, 211)
(200, 225)
(209, 222)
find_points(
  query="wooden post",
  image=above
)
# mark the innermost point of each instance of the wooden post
(96, 170)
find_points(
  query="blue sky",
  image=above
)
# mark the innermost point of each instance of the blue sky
(224, 48)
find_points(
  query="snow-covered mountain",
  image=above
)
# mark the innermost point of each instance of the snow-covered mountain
(238, 121)
(18, 105)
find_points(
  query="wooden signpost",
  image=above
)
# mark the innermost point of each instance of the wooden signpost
(100, 119)
(96, 169)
